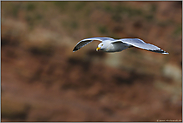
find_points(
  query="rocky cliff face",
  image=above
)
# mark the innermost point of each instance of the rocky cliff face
(43, 80)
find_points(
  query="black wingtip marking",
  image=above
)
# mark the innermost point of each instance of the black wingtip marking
(160, 51)
(75, 49)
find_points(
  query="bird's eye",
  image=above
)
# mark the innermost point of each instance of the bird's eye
(102, 45)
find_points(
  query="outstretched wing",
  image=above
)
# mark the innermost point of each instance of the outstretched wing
(141, 44)
(86, 41)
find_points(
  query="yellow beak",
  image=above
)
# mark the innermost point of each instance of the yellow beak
(98, 48)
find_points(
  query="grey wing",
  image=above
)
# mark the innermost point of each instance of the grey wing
(141, 44)
(86, 41)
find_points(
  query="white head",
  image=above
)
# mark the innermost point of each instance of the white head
(100, 47)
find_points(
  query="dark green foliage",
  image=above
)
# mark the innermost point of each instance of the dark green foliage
(30, 7)
(61, 4)
(102, 30)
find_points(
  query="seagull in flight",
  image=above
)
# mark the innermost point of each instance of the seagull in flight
(116, 45)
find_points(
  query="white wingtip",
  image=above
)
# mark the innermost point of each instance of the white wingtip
(165, 53)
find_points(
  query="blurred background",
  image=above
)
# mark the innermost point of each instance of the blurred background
(43, 80)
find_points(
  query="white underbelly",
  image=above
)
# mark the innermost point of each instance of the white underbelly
(117, 47)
